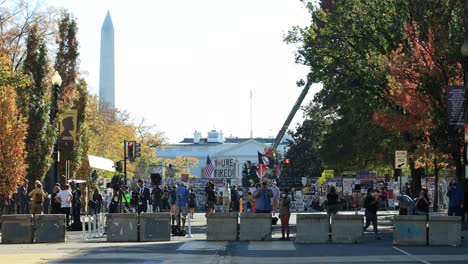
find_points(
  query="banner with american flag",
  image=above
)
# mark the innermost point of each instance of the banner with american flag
(209, 167)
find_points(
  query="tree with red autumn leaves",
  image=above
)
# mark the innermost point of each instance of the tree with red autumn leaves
(416, 99)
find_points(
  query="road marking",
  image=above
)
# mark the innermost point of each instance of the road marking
(271, 245)
(411, 256)
(203, 245)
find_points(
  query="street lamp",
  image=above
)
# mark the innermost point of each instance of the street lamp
(56, 82)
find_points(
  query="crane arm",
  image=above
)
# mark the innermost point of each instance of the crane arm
(291, 115)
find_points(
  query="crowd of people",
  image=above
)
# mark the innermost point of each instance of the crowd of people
(420, 205)
(38, 201)
(181, 201)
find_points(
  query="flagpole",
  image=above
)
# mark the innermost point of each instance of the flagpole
(251, 130)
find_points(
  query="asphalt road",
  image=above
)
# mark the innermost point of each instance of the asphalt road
(197, 250)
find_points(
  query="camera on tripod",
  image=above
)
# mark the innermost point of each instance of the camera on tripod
(117, 183)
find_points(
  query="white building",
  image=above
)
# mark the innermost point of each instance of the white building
(227, 154)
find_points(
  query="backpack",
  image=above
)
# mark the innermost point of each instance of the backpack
(38, 198)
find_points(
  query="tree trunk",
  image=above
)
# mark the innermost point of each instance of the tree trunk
(415, 179)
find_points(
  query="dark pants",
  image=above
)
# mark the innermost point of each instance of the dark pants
(457, 211)
(403, 211)
(66, 212)
(142, 208)
(371, 218)
(157, 206)
(23, 208)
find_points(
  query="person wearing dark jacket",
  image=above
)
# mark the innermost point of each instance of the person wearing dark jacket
(422, 203)
(371, 205)
(455, 194)
(144, 197)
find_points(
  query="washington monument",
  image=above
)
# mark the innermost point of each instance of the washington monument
(106, 75)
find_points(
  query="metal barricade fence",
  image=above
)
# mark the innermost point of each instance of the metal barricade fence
(95, 226)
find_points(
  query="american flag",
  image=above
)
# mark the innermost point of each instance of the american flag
(209, 167)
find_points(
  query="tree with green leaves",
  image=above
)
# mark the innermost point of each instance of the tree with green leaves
(343, 47)
(66, 64)
(34, 102)
(306, 142)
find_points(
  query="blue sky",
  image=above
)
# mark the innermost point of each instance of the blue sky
(189, 65)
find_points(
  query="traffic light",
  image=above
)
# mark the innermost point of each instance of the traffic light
(130, 151)
(137, 149)
(118, 166)
(287, 162)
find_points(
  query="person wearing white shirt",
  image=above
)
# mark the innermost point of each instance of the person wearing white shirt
(226, 198)
(65, 197)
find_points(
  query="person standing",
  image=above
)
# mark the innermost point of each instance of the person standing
(234, 199)
(192, 202)
(98, 201)
(371, 204)
(285, 214)
(249, 199)
(276, 197)
(332, 202)
(210, 197)
(65, 197)
(22, 198)
(226, 198)
(143, 197)
(55, 205)
(165, 200)
(404, 204)
(262, 196)
(455, 195)
(156, 196)
(181, 209)
(422, 203)
(38, 197)
(172, 198)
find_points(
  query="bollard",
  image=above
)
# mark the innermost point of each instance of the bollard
(189, 234)
(95, 232)
(83, 230)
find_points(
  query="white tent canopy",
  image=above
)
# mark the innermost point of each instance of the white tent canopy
(101, 163)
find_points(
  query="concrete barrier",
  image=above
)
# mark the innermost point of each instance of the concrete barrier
(17, 229)
(122, 227)
(222, 226)
(255, 226)
(49, 228)
(445, 230)
(410, 230)
(347, 228)
(312, 228)
(155, 227)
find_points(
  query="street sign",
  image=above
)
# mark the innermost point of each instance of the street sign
(401, 159)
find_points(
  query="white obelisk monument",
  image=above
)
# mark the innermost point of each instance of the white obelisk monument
(107, 73)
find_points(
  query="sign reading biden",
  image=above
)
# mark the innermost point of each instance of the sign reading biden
(224, 168)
